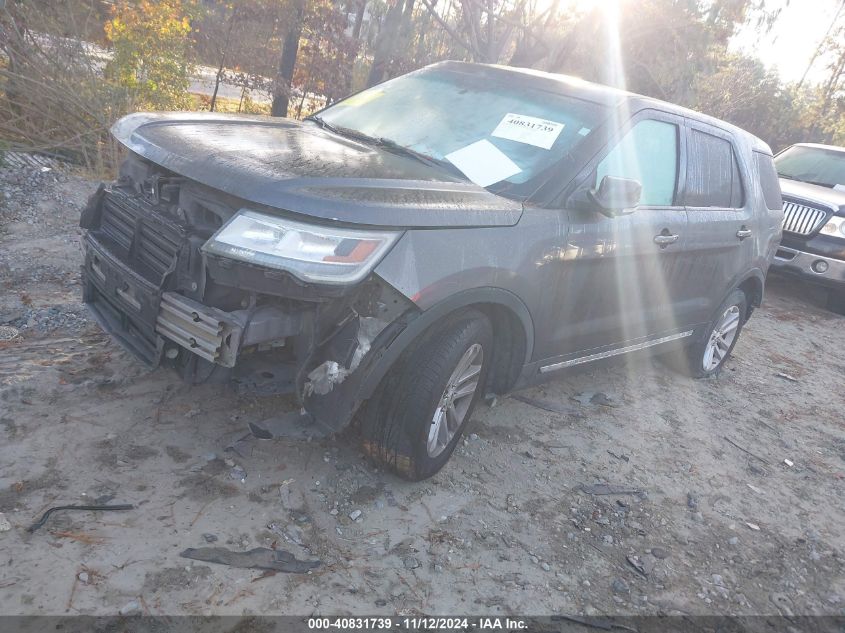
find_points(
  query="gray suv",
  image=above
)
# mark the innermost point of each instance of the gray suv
(454, 232)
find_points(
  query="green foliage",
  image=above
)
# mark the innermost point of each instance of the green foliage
(151, 43)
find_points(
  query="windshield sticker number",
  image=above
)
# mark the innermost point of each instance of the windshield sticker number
(483, 163)
(529, 130)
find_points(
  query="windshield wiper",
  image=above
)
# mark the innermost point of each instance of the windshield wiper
(394, 147)
(326, 125)
(385, 143)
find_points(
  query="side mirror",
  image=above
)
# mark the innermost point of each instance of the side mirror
(616, 196)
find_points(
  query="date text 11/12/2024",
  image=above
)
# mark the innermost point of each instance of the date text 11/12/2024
(418, 624)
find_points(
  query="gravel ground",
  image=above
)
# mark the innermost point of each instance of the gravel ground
(660, 495)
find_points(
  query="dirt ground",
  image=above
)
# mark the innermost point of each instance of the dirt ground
(729, 491)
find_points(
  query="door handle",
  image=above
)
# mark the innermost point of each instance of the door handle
(664, 239)
(743, 233)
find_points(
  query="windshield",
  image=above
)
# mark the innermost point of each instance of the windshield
(815, 165)
(496, 134)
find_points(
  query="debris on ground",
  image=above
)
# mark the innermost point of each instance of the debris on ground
(609, 489)
(40, 522)
(600, 398)
(256, 558)
(745, 450)
(636, 563)
(780, 374)
(551, 407)
(294, 426)
(130, 608)
(5, 526)
(237, 473)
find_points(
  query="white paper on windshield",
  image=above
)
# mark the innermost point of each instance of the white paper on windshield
(483, 163)
(529, 130)
(839, 187)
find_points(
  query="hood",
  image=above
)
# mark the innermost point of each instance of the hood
(299, 167)
(825, 196)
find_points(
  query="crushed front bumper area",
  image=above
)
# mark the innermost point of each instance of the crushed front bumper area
(149, 321)
(147, 282)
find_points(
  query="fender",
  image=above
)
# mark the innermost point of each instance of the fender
(336, 409)
(754, 273)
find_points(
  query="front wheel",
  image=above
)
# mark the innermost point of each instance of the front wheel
(706, 358)
(416, 417)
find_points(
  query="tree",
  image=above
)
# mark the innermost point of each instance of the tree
(287, 60)
(151, 43)
(325, 56)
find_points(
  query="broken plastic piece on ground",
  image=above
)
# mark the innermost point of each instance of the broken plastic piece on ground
(40, 522)
(257, 558)
(295, 425)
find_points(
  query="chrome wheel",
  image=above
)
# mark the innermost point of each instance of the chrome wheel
(721, 339)
(455, 401)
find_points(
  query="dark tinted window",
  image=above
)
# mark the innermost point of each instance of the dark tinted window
(713, 174)
(768, 180)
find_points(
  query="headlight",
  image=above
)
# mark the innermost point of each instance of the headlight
(313, 253)
(835, 227)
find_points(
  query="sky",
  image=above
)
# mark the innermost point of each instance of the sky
(789, 46)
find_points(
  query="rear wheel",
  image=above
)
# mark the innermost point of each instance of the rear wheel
(416, 417)
(707, 357)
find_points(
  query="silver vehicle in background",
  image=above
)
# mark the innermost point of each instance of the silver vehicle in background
(812, 178)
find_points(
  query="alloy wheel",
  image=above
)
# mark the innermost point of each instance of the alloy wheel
(455, 401)
(721, 338)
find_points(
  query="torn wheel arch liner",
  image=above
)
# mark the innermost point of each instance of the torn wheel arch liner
(337, 408)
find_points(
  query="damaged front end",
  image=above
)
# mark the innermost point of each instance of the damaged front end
(221, 290)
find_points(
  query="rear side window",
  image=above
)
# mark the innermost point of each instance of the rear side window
(648, 153)
(713, 174)
(769, 180)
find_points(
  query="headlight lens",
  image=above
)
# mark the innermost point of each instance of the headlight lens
(835, 227)
(313, 253)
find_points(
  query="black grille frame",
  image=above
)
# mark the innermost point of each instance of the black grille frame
(139, 235)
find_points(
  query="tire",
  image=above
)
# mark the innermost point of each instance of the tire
(702, 360)
(399, 423)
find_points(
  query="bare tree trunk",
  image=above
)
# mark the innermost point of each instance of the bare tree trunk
(386, 43)
(219, 77)
(359, 19)
(287, 63)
